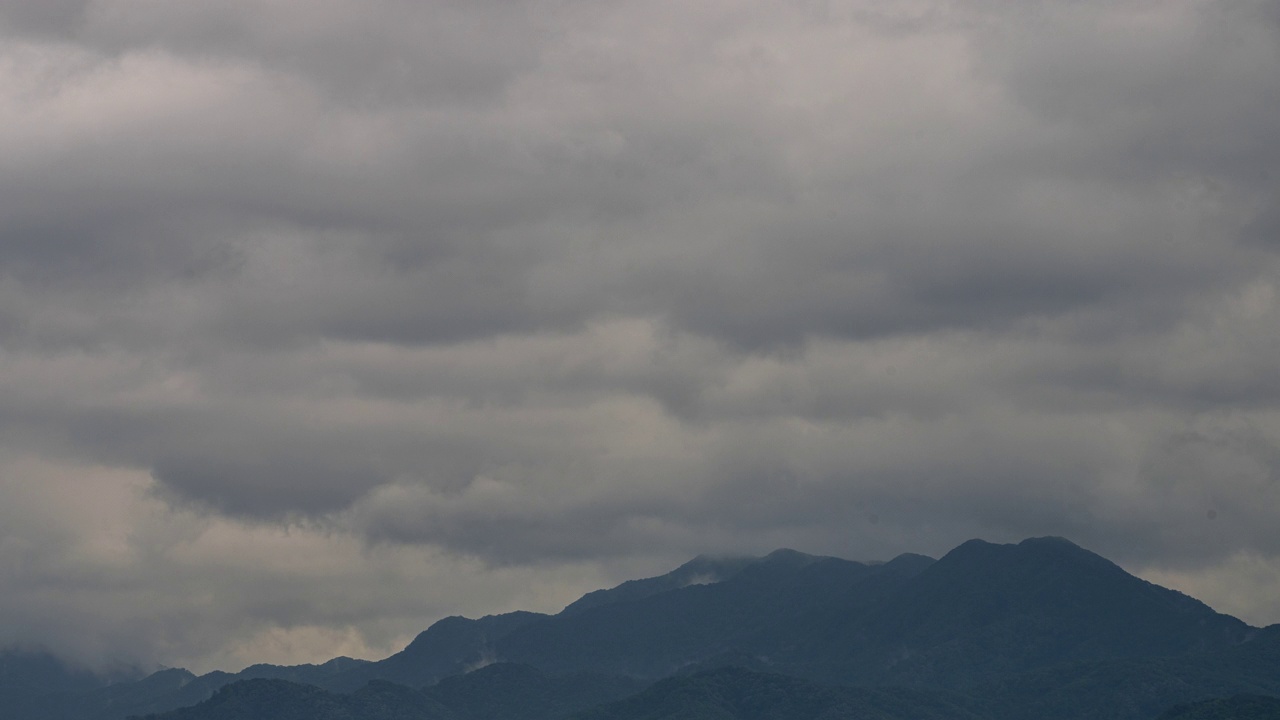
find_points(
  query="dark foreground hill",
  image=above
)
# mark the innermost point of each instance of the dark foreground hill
(1042, 628)
(727, 693)
(496, 692)
(269, 699)
(1240, 707)
(723, 694)
(736, 694)
(106, 698)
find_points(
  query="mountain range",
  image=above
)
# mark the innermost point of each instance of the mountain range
(1042, 628)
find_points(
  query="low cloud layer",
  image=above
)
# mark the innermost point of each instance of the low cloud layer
(321, 320)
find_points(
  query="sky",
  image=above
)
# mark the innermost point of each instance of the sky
(321, 320)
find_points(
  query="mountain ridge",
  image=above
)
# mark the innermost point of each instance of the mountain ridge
(1009, 620)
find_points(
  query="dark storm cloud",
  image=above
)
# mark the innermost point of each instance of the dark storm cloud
(56, 17)
(566, 285)
(685, 206)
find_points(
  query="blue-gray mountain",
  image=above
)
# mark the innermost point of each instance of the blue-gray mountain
(1043, 628)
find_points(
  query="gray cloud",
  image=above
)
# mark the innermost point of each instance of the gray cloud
(584, 289)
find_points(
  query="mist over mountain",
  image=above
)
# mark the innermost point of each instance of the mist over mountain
(1042, 628)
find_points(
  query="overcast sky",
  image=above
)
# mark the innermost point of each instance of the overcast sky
(323, 319)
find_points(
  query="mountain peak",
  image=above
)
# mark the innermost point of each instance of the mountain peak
(1049, 546)
(786, 553)
(910, 562)
(701, 570)
(789, 558)
(1049, 540)
(1000, 595)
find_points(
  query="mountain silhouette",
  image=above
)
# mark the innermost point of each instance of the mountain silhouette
(1040, 628)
